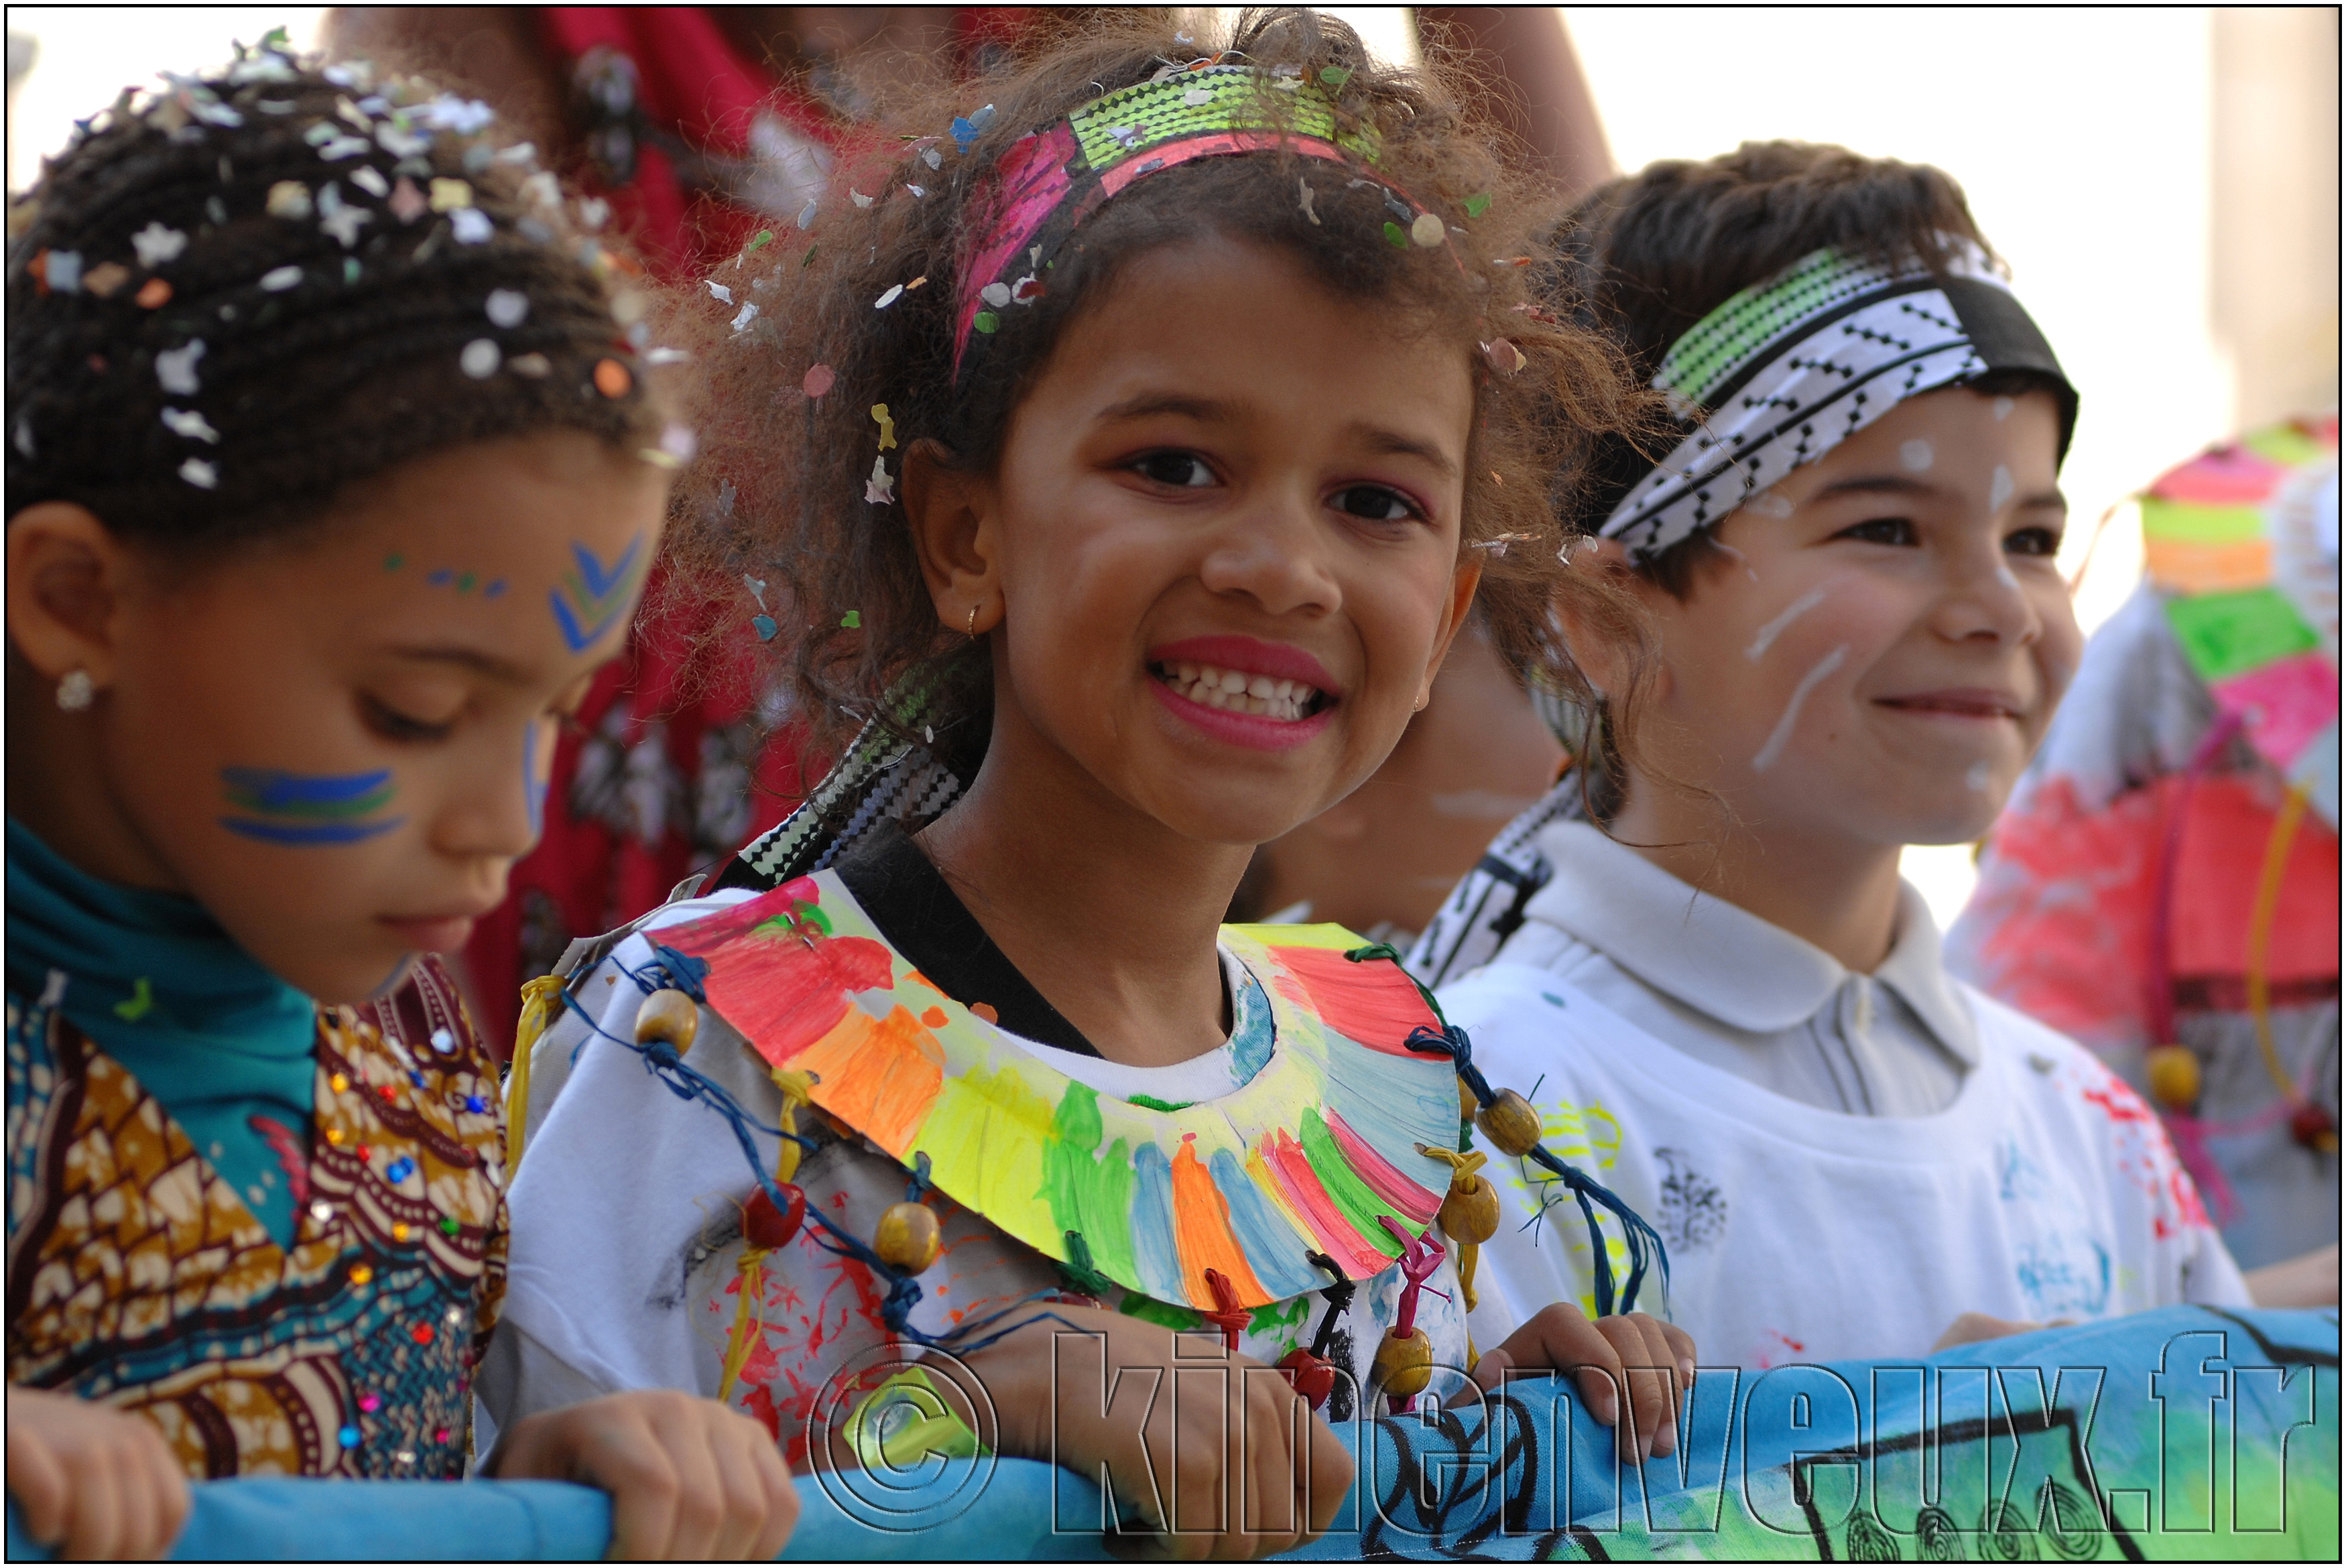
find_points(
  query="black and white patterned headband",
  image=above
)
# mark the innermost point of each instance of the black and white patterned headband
(1790, 368)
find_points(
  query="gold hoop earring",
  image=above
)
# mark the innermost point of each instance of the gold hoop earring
(970, 630)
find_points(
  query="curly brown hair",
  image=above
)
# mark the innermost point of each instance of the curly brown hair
(780, 493)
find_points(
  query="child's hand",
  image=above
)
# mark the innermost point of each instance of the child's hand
(1653, 1361)
(688, 1478)
(1259, 1448)
(102, 1482)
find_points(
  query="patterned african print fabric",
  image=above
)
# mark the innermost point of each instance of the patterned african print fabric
(137, 1277)
(1789, 369)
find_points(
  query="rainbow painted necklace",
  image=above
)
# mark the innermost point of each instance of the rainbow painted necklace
(1311, 1155)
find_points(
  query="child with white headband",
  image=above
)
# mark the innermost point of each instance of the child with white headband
(1699, 944)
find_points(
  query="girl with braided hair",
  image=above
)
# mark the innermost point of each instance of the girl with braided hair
(1111, 463)
(332, 478)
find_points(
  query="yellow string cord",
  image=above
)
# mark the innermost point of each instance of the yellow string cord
(752, 1286)
(797, 1093)
(1463, 1167)
(537, 1004)
(2260, 924)
(797, 1089)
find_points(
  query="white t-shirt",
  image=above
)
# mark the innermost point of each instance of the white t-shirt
(626, 1228)
(2046, 1190)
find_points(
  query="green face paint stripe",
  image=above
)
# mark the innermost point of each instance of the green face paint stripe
(309, 811)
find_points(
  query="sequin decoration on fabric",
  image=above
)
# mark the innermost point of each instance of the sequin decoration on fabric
(137, 1277)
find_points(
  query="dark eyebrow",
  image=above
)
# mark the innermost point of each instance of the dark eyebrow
(1392, 441)
(1899, 485)
(1875, 484)
(1214, 411)
(1205, 409)
(472, 660)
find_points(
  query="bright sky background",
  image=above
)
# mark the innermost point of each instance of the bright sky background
(2081, 136)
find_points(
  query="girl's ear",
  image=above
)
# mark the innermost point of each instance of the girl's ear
(67, 582)
(952, 516)
(1463, 584)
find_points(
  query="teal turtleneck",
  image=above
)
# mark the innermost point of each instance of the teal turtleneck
(164, 991)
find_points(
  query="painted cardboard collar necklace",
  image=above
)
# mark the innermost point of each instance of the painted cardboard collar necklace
(1315, 1153)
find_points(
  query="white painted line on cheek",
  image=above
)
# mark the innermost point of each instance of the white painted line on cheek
(1782, 735)
(1768, 504)
(1775, 628)
(1999, 488)
(1916, 456)
(1731, 550)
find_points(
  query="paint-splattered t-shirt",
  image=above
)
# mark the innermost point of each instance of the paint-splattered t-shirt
(628, 1229)
(2047, 1190)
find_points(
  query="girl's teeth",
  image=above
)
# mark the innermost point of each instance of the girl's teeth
(1236, 692)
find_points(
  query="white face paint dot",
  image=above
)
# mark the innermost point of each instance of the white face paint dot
(1768, 504)
(480, 359)
(2004, 406)
(1976, 777)
(1999, 488)
(1916, 456)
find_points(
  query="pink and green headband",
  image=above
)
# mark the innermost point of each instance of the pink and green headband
(1052, 180)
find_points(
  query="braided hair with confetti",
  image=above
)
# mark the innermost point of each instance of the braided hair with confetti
(233, 296)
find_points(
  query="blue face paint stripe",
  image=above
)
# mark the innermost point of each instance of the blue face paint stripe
(308, 833)
(532, 787)
(270, 790)
(275, 807)
(600, 593)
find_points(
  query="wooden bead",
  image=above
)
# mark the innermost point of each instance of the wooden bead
(1510, 1122)
(768, 1227)
(909, 1238)
(1404, 1363)
(1465, 1102)
(2174, 1076)
(667, 1015)
(1471, 1211)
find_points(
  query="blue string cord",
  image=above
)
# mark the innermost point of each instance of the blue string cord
(671, 970)
(1646, 1247)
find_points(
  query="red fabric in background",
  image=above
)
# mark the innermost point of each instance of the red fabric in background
(2073, 909)
(590, 874)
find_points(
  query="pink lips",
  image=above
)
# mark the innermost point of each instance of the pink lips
(431, 933)
(1958, 702)
(1249, 656)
